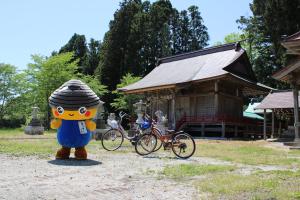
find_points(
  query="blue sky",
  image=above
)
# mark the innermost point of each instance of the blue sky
(39, 27)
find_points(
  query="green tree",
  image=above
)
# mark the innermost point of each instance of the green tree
(271, 20)
(47, 74)
(88, 54)
(198, 31)
(184, 32)
(8, 85)
(122, 101)
(77, 44)
(93, 83)
(93, 57)
(20, 105)
(114, 48)
(175, 34)
(143, 32)
(230, 38)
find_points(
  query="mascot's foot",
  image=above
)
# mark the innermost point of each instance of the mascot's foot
(63, 153)
(80, 153)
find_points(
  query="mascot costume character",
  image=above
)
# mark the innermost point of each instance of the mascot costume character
(73, 106)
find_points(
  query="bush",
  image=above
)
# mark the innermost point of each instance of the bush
(12, 122)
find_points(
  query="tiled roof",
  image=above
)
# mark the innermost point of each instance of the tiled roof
(295, 36)
(275, 100)
(189, 67)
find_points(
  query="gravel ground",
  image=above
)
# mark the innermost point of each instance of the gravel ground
(107, 176)
(104, 176)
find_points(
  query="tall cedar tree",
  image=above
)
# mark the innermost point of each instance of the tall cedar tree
(271, 21)
(87, 54)
(140, 33)
(77, 45)
(143, 32)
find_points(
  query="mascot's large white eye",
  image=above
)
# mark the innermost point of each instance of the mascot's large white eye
(82, 110)
(60, 110)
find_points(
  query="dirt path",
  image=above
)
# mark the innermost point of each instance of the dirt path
(104, 176)
(109, 176)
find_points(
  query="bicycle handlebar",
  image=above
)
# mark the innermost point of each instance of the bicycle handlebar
(122, 114)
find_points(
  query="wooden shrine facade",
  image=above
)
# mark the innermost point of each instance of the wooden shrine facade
(203, 92)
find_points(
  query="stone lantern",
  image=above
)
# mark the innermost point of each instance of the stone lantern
(35, 126)
(100, 122)
(140, 110)
(161, 121)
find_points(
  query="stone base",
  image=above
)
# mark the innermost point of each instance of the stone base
(293, 145)
(34, 130)
(100, 124)
(98, 133)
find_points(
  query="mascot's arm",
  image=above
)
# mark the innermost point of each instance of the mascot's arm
(90, 125)
(55, 123)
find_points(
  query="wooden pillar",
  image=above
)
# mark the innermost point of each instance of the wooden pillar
(296, 113)
(223, 129)
(237, 92)
(279, 129)
(202, 129)
(273, 124)
(157, 97)
(173, 111)
(235, 130)
(265, 124)
(216, 97)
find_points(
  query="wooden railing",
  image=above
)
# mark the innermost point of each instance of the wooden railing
(215, 119)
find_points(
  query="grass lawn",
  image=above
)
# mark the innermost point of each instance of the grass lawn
(190, 170)
(260, 185)
(15, 142)
(222, 182)
(248, 152)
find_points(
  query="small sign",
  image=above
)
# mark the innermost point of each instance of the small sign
(82, 127)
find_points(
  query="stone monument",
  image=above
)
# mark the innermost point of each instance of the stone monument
(35, 126)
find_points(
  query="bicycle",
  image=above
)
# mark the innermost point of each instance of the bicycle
(181, 143)
(113, 138)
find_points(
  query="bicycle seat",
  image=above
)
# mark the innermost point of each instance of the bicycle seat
(173, 131)
(170, 131)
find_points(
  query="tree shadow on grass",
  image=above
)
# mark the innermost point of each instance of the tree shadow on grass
(74, 162)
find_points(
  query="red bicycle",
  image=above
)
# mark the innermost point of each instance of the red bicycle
(181, 143)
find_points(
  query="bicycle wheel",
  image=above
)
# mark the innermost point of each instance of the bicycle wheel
(112, 139)
(156, 132)
(183, 145)
(145, 144)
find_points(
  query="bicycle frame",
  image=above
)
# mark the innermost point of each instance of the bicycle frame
(121, 128)
(165, 139)
(171, 140)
